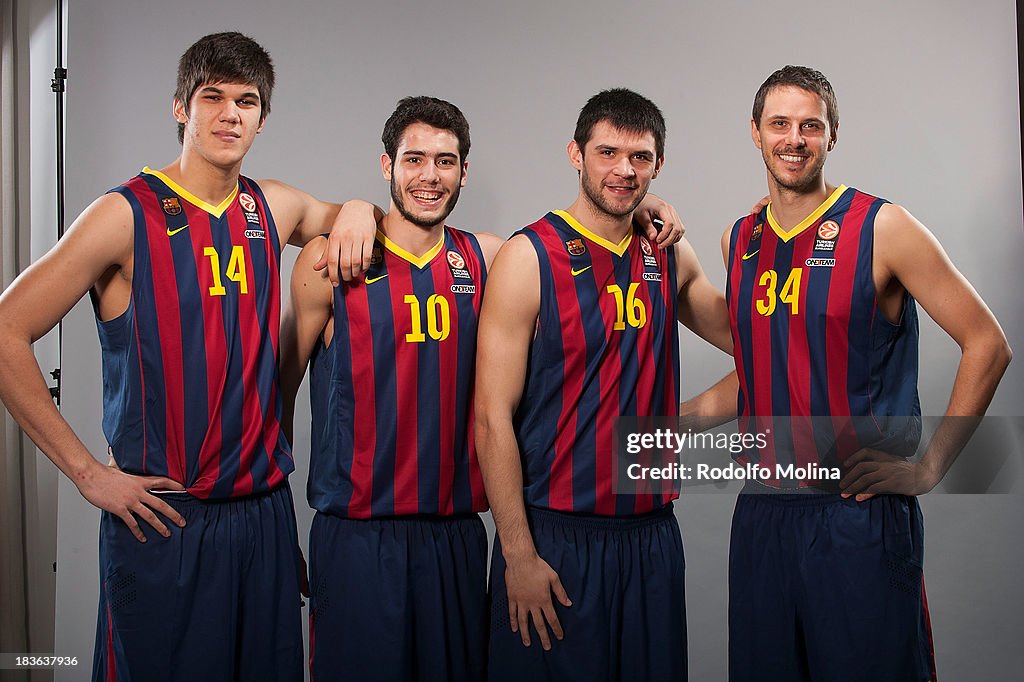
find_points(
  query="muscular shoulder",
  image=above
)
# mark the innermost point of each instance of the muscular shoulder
(105, 230)
(490, 244)
(281, 197)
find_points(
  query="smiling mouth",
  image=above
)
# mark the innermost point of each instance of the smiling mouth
(793, 158)
(426, 196)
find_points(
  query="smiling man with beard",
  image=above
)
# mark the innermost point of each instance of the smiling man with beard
(822, 289)
(398, 554)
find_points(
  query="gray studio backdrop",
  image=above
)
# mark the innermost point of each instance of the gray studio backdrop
(928, 94)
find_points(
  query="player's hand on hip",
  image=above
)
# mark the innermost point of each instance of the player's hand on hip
(530, 583)
(872, 472)
(129, 498)
(668, 230)
(350, 243)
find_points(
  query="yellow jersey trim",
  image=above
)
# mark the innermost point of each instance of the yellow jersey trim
(405, 255)
(617, 249)
(215, 211)
(786, 235)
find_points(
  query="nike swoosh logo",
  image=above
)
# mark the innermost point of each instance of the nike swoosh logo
(747, 256)
(371, 280)
(581, 271)
(171, 233)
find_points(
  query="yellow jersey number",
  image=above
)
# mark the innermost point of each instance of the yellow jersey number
(437, 313)
(790, 293)
(235, 271)
(630, 310)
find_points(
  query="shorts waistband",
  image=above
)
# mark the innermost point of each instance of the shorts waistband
(411, 518)
(595, 522)
(184, 500)
(801, 497)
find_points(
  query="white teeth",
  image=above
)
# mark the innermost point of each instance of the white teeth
(790, 158)
(427, 196)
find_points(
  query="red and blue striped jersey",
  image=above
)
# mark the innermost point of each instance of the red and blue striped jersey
(392, 392)
(190, 382)
(810, 341)
(606, 346)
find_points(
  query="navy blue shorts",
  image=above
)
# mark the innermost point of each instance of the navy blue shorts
(218, 600)
(822, 588)
(398, 599)
(624, 576)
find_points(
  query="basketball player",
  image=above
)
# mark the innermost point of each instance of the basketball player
(398, 554)
(579, 327)
(822, 288)
(181, 265)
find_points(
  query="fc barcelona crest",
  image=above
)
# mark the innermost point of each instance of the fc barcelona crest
(576, 247)
(376, 257)
(757, 231)
(170, 205)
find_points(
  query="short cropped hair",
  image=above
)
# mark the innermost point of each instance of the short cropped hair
(802, 77)
(224, 58)
(624, 109)
(432, 111)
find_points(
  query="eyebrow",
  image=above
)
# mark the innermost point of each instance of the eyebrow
(217, 91)
(418, 152)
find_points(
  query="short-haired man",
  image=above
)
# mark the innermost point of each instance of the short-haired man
(579, 327)
(398, 553)
(821, 290)
(182, 268)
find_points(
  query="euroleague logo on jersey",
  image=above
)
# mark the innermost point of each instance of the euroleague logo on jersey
(248, 205)
(247, 202)
(458, 266)
(827, 233)
(455, 259)
(646, 247)
(828, 229)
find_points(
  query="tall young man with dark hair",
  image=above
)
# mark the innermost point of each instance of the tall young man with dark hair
(398, 553)
(579, 327)
(181, 265)
(821, 290)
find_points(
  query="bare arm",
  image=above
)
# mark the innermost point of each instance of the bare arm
(507, 322)
(300, 217)
(305, 317)
(490, 244)
(702, 306)
(716, 405)
(907, 255)
(98, 245)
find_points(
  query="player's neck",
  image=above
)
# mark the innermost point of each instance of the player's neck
(210, 183)
(604, 225)
(790, 207)
(413, 238)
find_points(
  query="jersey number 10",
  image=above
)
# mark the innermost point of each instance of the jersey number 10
(438, 314)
